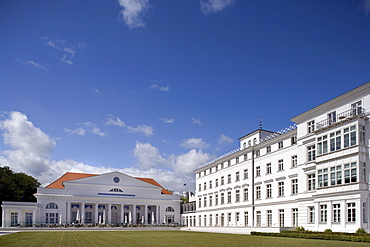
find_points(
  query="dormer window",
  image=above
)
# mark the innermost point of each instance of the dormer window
(115, 190)
(52, 205)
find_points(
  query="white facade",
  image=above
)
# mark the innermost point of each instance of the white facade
(112, 198)
(314, 174)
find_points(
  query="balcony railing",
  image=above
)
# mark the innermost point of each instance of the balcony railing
(349, 114)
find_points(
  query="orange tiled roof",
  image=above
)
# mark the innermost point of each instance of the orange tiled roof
(68, 176)
(152, 181)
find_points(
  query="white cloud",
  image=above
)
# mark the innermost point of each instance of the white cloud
(194, 143)
(30, 150)
(88, 127)
(196, 121)
(65, 60)
(78, 131)
(167, 120)
(132, 11)
(62, 46)
(160, 88)
(36, 65)
(214, 6)
(223, 139)
(116, 122)
(144, 129)
(366, 6)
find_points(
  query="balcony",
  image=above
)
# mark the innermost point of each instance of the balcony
(338, 118)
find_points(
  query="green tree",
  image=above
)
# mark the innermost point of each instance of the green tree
(18, 187)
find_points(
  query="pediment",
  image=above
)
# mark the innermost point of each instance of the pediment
(112, 179)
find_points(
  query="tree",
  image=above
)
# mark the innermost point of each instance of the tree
(18, 187)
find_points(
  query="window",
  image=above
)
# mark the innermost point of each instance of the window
(258, 192)
(52, 205)
(205, 220)
(351, 212)
(322, 144)
(269, 218)
(322, 177)
(311, 182)
(245, 194)
(229, 197)
(280, 145)
(229, 217)
(294, 186)
(204, 173)
(293, 140)
(210, 184)
(222, 165)
(210, 170)
(258, 171)
(237, 176)
(335, 140)
(222, 180)
(28, 218)
(210, 219)
(216, 182)
(245, 173)
(216, 199)
(294, 161)
(281, 217)
(237, 196)
(268, 191)
(229, 163)
(311, 153)
(254, 141)
(268, 149)
(51, 218)
(349, 137)
(229, 178)
(323, 213)
(268, 168)
(281, 189)
(205, 186)
(336, 175)
(356, 108)
(245, 157)
(200, 202)
(362, 135)
(336, 213)
(311, 126)
(222, 198)
(295, 217)
(115, 190)
(311, 215)
(13, 219)
(258, 153)
(199, 187)
(205, 201)
(245, 218)
(280, 165)
(350, 173)
(237, 217)
(258, 218)
(332, 117)
(237, 160)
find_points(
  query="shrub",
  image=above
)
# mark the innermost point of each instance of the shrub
(328, 230)
(300, 229)
(361, 231)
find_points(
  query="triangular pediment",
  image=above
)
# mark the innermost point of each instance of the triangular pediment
(112, 179)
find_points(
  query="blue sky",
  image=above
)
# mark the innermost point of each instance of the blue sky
(156, 88)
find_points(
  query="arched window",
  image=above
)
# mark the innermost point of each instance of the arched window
(249, 143)
(170, 209)
(115, 190)
(52, 205)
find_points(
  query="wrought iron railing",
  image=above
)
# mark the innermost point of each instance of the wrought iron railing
(334, 119)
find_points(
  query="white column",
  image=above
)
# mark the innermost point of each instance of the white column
(96, 214)
(109, 213)
(157, 214)
(82, 212)
(19, 216)
(34, 216)
(3, 218)
(68, 212)
(134, 213)
(122, 213)
(146, 214)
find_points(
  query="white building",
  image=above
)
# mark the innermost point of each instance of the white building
(313, 174)
(112, 198)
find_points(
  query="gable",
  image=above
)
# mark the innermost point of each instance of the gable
(68, 176)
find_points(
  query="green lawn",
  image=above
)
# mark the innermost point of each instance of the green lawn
(155, 238)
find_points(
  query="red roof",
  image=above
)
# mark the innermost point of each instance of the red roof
(68, 176)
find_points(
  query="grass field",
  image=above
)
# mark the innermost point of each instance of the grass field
(154, 238)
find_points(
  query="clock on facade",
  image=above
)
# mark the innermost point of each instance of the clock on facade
(116, 180)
